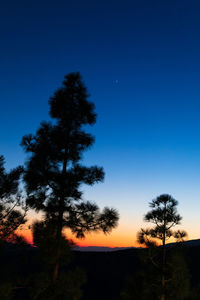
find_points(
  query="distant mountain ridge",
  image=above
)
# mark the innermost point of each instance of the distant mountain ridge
(100, 249)
(13, 247)
(190, 243)
(193, 242)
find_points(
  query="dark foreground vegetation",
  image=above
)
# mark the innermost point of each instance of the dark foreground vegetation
(107, 273)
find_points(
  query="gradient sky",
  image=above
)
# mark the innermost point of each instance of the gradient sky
(141, 63)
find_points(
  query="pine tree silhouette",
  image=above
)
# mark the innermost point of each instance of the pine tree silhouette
(54, 174)
(164, 215)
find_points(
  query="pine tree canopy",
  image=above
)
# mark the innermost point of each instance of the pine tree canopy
(165, 216)
(54, 173)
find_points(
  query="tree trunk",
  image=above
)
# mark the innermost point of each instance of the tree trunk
(55, 272)
(163, 265)
(60, 226)
(58, 238)
(163, 273)
(163, 288)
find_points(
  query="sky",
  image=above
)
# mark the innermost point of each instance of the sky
(140, 61)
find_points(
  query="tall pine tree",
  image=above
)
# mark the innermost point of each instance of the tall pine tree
(54, 173)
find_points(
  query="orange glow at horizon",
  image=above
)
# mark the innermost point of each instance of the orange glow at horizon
(102, 240)
(116, 239)
(125, 235)
(93, 239)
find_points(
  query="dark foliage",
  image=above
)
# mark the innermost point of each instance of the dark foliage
(146, 283)
(106, 272)
(12, 208)
(69, 282)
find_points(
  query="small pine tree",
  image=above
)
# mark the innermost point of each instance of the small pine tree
(164, 215)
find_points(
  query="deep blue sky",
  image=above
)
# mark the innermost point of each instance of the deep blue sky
(141, 63)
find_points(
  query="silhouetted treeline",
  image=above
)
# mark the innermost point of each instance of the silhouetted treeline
(107, 273)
